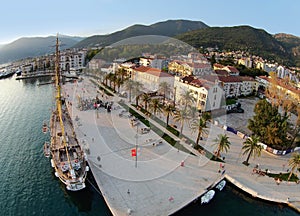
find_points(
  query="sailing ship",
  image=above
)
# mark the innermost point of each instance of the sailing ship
(67, 157)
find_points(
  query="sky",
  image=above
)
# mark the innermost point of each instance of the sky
(29, 18)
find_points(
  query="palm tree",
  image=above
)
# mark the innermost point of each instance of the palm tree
(251, 147)
(187, 99)
(155, 106)
(181, 116)
(118, 83)
(146, 99)
(294, 163)
(122, 72)
(194, 112)
(165, 88)
(223, 144)
(137, 91)
(129, 84)
(168, 110)
(200, 126)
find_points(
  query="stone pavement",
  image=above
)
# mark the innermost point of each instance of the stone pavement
(159, 185)
(159, 179)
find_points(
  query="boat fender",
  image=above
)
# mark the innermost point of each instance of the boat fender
(87, 168)
(52, 163)
(56, 174)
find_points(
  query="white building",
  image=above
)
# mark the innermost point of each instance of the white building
(151, 78)
(208, 95)
(70, 59)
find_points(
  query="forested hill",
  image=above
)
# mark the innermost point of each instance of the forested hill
(246, 38)
(169, 28)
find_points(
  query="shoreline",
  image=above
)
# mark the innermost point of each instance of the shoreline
(254, 194)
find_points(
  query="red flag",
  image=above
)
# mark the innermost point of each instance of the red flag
(133, 152)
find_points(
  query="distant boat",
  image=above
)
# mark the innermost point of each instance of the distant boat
(207, 196)
(47, 149)
(45, 127)
(221, 185)
(6, 74)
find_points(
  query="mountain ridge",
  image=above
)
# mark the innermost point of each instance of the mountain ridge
(25, 47)
(281, 47)
(168, 28)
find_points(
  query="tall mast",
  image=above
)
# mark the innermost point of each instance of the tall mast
(58, 99)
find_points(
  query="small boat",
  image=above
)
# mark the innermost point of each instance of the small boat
(45, 127)
(207, 196)
(221, 185)
(47, 149)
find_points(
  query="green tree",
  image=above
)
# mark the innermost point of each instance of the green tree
(223, 144)
(165, 88)
(294, 163)
(200, 126)
(168, 110)
(181, 116)
(251, 147)
(122, 73)
(146, 99)
(118, 83)
(155, 106)
(137, 91)
(129, 85)
(269, 124)
(187, 99)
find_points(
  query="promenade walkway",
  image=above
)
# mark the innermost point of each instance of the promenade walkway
(157, 184)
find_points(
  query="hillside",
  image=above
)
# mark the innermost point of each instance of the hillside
(246, 38)
(169, 28)
(33, 46)
(292, 43)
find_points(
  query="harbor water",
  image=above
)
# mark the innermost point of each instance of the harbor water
(27, 182)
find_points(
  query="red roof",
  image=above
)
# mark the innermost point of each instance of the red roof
(187, 79)
(222, 72)
(158, 73)
(146, 69)
(229, 79)
(247, 78)
(233, 69)
(218, 65)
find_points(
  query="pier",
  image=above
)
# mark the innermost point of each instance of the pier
(161, 179)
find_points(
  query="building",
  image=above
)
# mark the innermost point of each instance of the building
(208, 95)
(151, 78)
(289, 91)
(70, 59)
(247, 61)
(232, 71)
(183, 68)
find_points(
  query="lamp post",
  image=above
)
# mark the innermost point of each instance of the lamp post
(174, 96)
(136, 145)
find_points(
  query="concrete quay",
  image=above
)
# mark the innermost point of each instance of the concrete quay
(159, 185)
